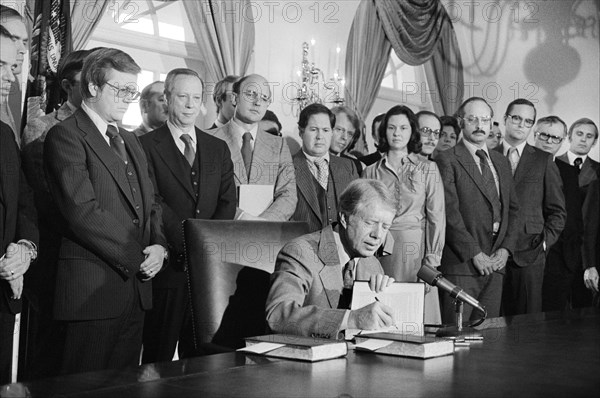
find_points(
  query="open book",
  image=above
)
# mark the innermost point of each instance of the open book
(407, 300)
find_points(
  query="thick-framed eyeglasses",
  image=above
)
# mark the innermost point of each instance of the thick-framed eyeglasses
(125, 92)
(253, 96)
(477, 119)
(427, 132)
(516, 119)
(552, 139)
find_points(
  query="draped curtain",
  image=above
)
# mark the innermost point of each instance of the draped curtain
(420, 32)
(85, 16)
(225, 41)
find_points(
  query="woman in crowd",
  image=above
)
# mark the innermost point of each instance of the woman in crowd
(420, 224)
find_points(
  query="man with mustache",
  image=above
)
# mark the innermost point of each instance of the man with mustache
(542, 210)
(430, 127)
(481, 213)
(153, 108)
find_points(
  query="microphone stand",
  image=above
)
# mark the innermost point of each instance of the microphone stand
(460, 331)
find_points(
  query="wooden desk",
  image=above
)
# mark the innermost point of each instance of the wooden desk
(546, 355)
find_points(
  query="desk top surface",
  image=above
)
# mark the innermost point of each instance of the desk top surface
(554, 354)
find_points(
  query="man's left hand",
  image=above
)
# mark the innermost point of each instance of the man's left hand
(155, 256)
(15, 262)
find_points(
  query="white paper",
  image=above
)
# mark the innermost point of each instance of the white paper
(407, 301)
(373, 344)
(261, 348)
(255, 199)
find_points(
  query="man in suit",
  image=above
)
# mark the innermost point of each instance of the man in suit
(259, 158)
(346, 134)
(314, 274)
(18, 229)
(563, 274)
(320, 176)
(481, 213)
(152, 107)
(222, 97)
(583, 135)
(113, 243)
(13, 22)
(542, 209)
(192, 174)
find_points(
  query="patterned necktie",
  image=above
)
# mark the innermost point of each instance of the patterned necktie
(490, 184)
(577, 163)
(189, 153)
(513, 157)
(348, 274)
(322, 172)
(116, 142)
(247, 152)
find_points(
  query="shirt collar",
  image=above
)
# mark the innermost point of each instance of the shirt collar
(519, 148)
(472, 148)
(100, 123)
(573, 156)
(176, 132)
(312, 159)
(342, 255)
(240, 130)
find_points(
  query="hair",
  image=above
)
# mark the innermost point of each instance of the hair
(414, 144)
(170, 79)
(271, 116)
(70, 65)
(552, 120)
(521, 101)
(460, 112)
(354, 120)
(97, 64)
(314, 109)
(452, 122)
(9, 13)
(374, 131)
(362, 191)
(579, 122)
(428, 113)
(220, 91)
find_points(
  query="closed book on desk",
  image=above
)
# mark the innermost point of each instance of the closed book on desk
(295, 347)
(404, 345)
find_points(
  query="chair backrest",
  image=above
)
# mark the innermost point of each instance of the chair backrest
(229, 265)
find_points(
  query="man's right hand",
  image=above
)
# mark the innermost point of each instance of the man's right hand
(373, 316)
(483, 263)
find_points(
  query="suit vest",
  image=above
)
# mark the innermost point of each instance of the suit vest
(327, 201)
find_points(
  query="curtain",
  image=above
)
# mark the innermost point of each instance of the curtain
(225, 40)
(367, 54)
(86, 15)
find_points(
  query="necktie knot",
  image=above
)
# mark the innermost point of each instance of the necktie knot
(112, 132)
(116, 142)
(189, 153)
(481, 154)
(322, 172)
(577, 162)
(348, 274)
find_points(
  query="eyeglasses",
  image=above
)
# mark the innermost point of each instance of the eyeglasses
(477, 119)
(516, 119)
(253, 96)
(125, 92)
(552, 139)
(427, 132)
(343, 131)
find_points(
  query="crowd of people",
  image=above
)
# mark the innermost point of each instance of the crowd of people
(91, 214)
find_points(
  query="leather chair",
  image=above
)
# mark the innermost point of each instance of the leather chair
(228, 266)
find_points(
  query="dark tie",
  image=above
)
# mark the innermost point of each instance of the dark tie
(247, 152)
(189, 153)
(348, 278)
(116, 142)
(577, 163)
(490, 184)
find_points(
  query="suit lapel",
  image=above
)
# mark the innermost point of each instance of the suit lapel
(468, 163)
(170, 154)
(331, 274)
(226, 134)
(589, 172)
(305, 185)
(526, 158)
(107, 156)
(263, 157)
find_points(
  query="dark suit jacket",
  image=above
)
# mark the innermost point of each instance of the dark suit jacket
(371, 158)
(590, 170)
(307, 284)
(171, 178)
(469, 215)
(105, 230)
(538, 186)
(343, 172)
(591, 226)
(18, 219)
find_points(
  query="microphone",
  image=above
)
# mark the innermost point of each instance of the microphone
(435, 278)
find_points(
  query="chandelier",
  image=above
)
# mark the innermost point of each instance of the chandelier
(314, 88)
